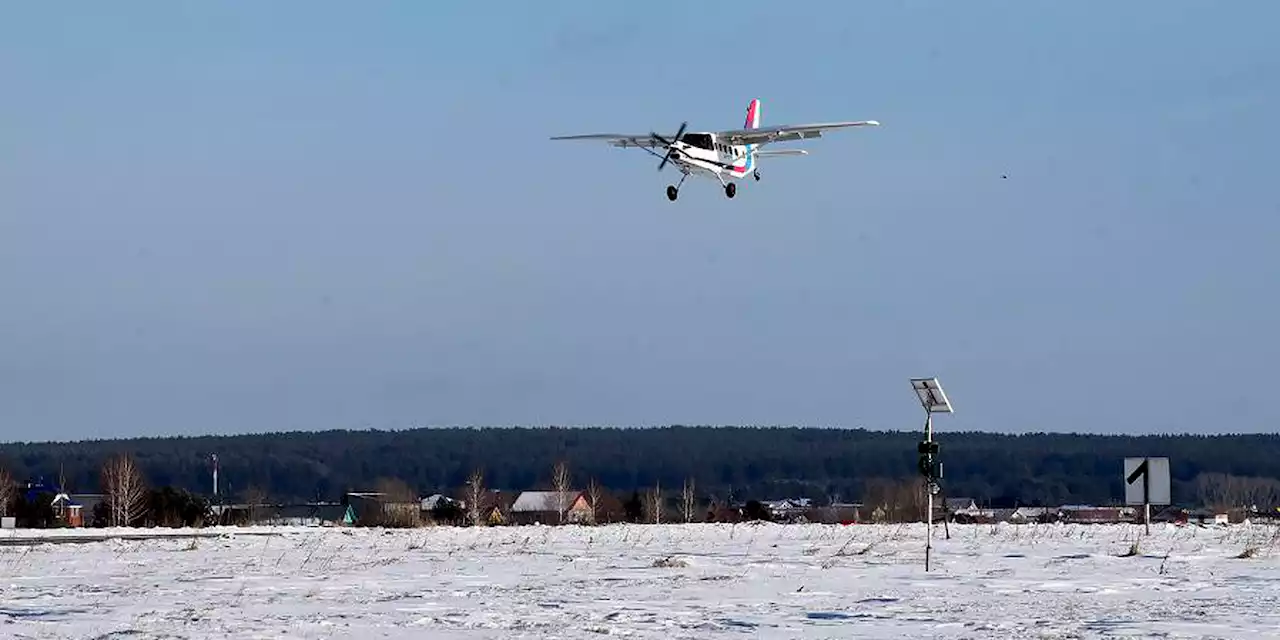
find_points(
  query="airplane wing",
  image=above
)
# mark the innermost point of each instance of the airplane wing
(620, 139)
(786, 133)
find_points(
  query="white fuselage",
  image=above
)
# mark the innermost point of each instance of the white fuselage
(702, 154)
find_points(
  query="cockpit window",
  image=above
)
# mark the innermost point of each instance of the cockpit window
(700, 140)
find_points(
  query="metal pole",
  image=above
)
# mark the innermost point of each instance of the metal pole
(928, 489)
(1146, 496)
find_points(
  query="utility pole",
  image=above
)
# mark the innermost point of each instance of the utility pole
(933, 400)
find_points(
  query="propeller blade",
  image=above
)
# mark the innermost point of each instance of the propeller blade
(670, 145)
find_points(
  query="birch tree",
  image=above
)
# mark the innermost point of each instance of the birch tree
(688, 500)
(654, 500)
(475, 495)
(560, 484)
(124, 491)
(594, 492)
(7, 490)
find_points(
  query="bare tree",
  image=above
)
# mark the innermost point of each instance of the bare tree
(560, 484)
(688, 500)
(475, 495)
(1214, 490)
(1220, 491)
(8, 488)
(594, 491)
(653, 503)
(1262, 492)
(124, 491)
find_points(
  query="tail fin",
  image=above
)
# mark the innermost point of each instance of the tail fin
(753, 115)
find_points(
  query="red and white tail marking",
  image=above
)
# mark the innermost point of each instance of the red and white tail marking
(753, 115)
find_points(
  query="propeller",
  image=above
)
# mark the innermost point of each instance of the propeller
(670, 145)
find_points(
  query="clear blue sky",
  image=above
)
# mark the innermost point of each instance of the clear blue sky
(228, 217)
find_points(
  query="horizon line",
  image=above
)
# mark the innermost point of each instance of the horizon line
(549, 427)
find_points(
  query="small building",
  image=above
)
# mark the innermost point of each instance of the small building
(67, 511)
(788, 510)
(962, 506)
(544, 507)
(1024, 515)
(434, 500)
(441, 509)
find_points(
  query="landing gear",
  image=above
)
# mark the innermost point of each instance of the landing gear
(756, 173)
(673, 190)
(730, 189)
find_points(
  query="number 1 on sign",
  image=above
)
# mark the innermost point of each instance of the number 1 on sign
(1142, 472)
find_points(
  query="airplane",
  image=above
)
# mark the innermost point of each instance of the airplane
(726, 156)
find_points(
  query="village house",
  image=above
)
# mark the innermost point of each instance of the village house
(533, 507)
(960, 510)
(441, 509)
(1025, 515)
(68, 511)
(434, 500)
(962, 506)
(788, 510)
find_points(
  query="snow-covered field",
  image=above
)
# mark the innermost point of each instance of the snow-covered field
(668, 581)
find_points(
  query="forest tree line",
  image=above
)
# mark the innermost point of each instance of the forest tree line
(728, 464)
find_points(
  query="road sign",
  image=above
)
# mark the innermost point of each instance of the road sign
(1146, 481)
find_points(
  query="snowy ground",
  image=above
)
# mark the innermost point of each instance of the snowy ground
(669, 582)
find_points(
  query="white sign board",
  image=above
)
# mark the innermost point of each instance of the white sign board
(1146, 481)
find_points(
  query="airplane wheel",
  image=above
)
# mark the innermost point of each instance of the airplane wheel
(756, 173)
(730, 189)
(672, 192)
